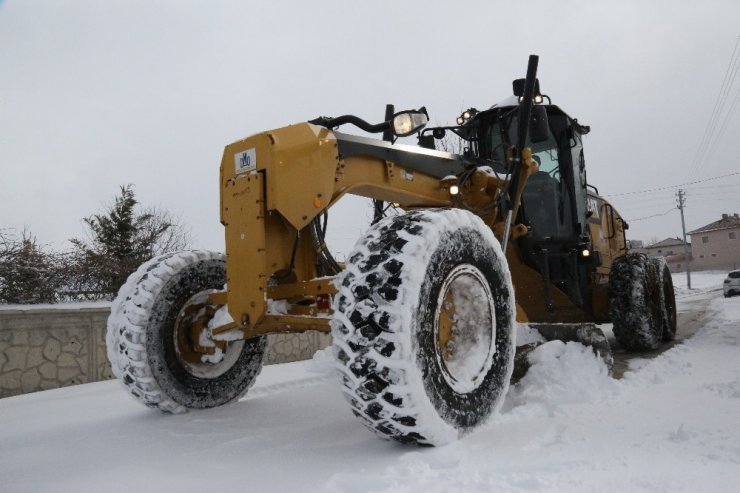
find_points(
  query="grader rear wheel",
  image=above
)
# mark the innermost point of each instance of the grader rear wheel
(424, 326)
(667, 299)
(637, 304)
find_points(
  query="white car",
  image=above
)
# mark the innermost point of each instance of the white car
(732, 284)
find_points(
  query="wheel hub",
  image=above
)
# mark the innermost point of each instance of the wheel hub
(465, 328)
(196, 350)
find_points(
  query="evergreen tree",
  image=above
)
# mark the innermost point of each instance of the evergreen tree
(121, 239)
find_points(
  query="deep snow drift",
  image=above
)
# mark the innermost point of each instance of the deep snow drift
(671, 424)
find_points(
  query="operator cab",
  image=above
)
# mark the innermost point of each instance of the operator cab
(554, 202)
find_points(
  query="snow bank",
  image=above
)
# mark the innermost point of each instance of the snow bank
(704, 280)
(322, 362)
(561, 374)
(671, 426)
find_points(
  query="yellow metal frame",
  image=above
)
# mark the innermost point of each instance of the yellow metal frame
(296, 175)
(274, 184)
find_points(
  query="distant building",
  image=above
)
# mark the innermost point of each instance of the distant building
(716, 246)
(665, 248)
(673, 251)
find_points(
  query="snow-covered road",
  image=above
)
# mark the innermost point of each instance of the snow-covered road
(672, 423)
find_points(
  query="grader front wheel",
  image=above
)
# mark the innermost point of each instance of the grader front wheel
(158, 340)
(424, 326)
(464, 327)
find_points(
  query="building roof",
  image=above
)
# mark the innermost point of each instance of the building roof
(668, 242)
(727, 222)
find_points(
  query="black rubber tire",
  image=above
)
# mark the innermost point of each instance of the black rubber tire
(667, 299)
(384, 326)
(635, 302)
(140, 334)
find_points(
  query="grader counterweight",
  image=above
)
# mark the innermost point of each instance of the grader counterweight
(423, 313)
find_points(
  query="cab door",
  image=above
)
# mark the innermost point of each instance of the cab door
(555, 205)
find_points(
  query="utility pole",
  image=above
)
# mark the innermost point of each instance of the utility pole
(681, 202)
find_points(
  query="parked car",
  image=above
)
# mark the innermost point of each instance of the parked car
(732, 284)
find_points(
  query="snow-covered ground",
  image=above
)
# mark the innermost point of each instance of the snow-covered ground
(671, 424)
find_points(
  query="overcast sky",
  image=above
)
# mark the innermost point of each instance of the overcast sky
(95, 94)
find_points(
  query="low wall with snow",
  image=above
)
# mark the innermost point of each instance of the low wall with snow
(51, 346)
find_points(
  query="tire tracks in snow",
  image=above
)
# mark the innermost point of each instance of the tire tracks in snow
(258, 391)
(691, 316)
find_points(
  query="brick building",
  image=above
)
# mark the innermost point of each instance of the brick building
(716, 246)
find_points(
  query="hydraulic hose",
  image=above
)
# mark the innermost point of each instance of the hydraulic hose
(326, 265)
(327, 122)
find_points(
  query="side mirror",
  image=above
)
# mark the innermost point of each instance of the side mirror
(439, 133)
(405, 123)
(427, 141)
(539, 126)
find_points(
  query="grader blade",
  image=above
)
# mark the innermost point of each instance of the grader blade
(585, 333)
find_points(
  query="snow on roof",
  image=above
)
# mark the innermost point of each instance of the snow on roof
(727, 222)
(666, 243)
(508, 101)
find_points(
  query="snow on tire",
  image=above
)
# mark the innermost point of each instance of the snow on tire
(142, 340)
(667, 299)
(636, 303)
(423, 327)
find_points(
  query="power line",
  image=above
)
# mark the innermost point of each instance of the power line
(726, 121)
(733, 186)
(709, 131)
(673, 186)
(712, 193)
(643, 210)
(650, 217)
(642, 201)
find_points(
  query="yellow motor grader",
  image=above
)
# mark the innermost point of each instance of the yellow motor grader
(423, 313)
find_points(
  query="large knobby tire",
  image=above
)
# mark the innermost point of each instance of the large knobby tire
(637, 302)
(148, 326)
(667, 298)
(423, 328)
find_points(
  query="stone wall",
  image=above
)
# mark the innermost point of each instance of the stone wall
(56, 346)
(46, 348)
(284, 348)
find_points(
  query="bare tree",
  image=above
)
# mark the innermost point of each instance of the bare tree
(29, 273)
(164, 232)
(451, 142)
